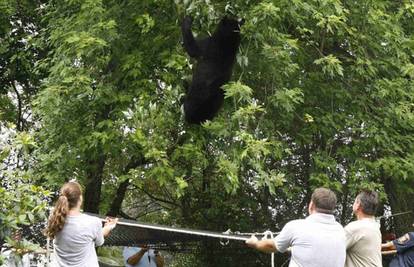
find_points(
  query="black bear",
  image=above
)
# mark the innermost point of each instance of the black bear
(215, 57)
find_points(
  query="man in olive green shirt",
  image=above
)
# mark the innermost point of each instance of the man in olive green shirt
(363, 236)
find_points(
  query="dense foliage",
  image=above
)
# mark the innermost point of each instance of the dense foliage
(321, 95)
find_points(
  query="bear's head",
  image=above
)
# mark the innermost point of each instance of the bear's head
(229, 26)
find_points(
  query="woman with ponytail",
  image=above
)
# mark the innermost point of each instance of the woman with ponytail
(75, 234)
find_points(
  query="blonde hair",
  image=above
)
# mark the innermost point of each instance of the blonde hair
(69, 197)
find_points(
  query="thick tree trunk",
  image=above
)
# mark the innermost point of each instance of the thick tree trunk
(95, 165)
(116, 204)
(94, 174)
(115, 209)
(346, 213)
(400, 201)
(19, 119)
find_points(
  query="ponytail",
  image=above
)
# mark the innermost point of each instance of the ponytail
(69, 197)
(58, 217)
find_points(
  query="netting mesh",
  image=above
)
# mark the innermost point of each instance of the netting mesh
(132, 233)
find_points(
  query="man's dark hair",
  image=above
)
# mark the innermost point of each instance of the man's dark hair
(324, 200)
(369, 201)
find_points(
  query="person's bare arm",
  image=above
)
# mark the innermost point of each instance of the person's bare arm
(265, 245)
(159, 260)
(134, 259)
(388, 252)
(388, 246)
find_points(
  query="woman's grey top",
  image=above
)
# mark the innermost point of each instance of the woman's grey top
(75, 244)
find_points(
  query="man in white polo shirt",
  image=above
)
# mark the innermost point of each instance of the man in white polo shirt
(317, 241)
(363, 236)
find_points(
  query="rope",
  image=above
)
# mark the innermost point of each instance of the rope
(266, 235)
(250, 234)
(179, 230)
(48, 260)
(225, 243)
(393, 215)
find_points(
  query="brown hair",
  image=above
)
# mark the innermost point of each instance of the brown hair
(369, 202)
(69, 197)
(324, 200)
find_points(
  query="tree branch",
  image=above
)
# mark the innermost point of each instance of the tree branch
(159, 199)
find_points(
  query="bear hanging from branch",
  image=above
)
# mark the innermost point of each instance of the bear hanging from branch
(215, 57)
